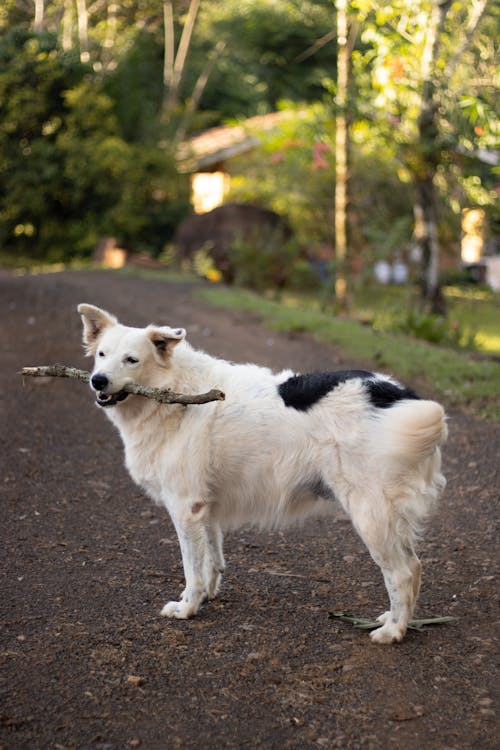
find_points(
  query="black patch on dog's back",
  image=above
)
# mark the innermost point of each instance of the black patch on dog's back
(384, 394)
(301, 392)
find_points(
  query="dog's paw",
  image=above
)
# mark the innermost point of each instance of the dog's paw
(384, 617)
(390, 632)
(179, 610)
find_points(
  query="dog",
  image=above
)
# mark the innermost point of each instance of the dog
(281, 447)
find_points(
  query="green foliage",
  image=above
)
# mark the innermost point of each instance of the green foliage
(433, 328)
(472, 321)
(292, 173)
(85, 149)
(388, 66)
(68, 176)
(268, 262)
(263, 61)
(136, 89)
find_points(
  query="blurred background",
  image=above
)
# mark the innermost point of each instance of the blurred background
(342, 152)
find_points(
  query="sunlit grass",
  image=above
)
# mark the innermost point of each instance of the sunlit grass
(20, 266)
(475, 311)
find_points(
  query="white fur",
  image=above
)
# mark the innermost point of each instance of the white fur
(252, 460)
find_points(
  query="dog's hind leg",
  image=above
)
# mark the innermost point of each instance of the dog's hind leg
(415, 568)
(398, 582)
(393, 552)
(191, 532)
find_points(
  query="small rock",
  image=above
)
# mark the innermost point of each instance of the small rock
(134, 680)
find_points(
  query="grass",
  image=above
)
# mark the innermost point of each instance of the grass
(455, 376)
(476, 311)
(480, 311)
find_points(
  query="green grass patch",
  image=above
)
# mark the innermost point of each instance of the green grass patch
(478, 311)
(23, 265)
(472, 321)
(456, 377)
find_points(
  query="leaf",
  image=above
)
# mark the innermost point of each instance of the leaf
(363, 623)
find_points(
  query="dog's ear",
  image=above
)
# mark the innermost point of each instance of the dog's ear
(164, 340)
(94, 321)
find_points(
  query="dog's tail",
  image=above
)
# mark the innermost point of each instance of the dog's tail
(406, 448)
(410, 431)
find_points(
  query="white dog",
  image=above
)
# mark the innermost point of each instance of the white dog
(279, 448)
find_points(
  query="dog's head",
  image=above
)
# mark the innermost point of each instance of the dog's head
(124, 355)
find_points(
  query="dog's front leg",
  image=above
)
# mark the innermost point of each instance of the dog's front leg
(192, 539)
(214, 561)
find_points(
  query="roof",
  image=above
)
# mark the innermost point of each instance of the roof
(203, 151)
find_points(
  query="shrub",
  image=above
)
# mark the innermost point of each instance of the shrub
(267, 262)
(68, 175)
(435, 329)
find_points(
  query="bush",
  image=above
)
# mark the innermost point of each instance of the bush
(435, 329)
(267, 262)
(68, 175)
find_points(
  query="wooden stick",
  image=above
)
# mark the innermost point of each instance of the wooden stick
(158, 394)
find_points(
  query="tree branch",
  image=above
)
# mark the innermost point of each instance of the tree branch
(193, 101)
(475, 17)
(182, 51)
(168, 55)
(157, 394)
(317, 45)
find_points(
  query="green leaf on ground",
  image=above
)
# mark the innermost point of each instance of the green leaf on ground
(364, 624)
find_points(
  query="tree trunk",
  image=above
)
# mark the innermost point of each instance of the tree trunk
(341, 135)
(426, 234)
(39, 14)
(199, 87)
(83, 37)
(67, 25)
(168, 48)
(173, 75)
(110, 35)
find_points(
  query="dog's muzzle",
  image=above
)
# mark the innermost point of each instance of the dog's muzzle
(100, 383)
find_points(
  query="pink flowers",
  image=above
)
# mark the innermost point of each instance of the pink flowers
(319, 151)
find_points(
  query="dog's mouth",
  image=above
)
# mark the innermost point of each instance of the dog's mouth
(111, 399)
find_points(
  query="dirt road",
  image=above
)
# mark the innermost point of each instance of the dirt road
(88, 562)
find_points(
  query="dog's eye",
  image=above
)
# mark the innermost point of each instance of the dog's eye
(101, 354)
(131, 360)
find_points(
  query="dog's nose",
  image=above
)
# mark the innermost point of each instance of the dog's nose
(99, 382)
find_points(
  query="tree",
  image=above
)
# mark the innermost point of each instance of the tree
(413, 95)
(175, 61)
(426, 225)
(68, 176)
(341, 140)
